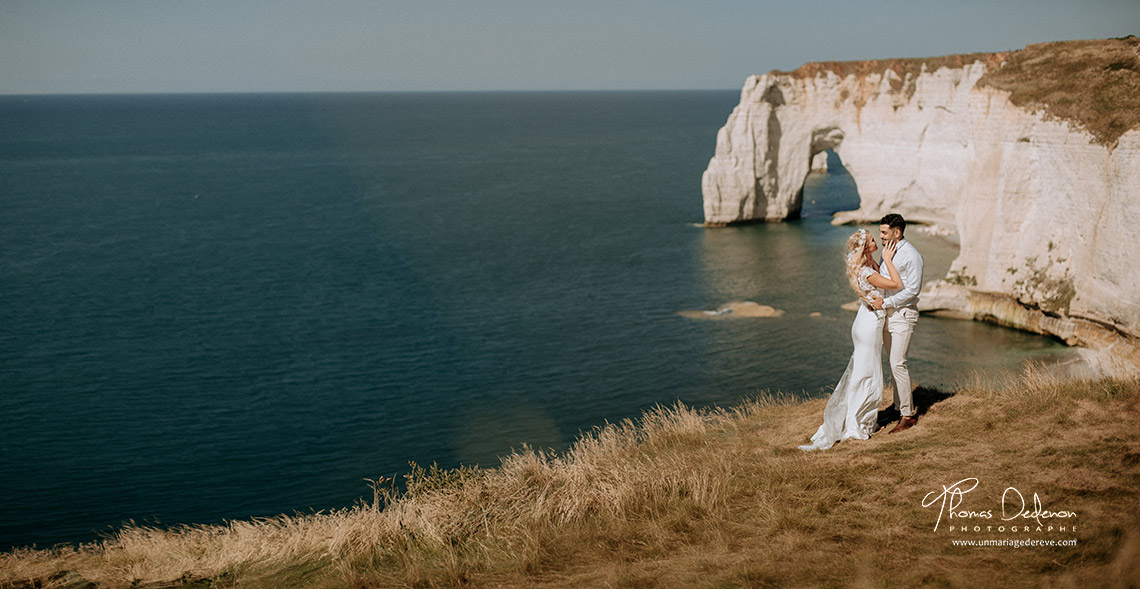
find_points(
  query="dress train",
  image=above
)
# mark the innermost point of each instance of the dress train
(853, 407)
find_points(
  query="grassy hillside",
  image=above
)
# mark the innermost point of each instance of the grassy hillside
(1093, 84)
(685, 498)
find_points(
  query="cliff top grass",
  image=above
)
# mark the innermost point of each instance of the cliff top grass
(902, 66)
(1093, 84)
(707, 498)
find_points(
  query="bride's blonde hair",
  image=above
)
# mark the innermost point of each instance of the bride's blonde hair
(856, 248)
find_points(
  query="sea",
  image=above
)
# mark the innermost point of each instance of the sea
(220, 307)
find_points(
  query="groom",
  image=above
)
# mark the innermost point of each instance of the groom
(902, 313)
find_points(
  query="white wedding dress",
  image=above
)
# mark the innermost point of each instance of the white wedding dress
(853, 407)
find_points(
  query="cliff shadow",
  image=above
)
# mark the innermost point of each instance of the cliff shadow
(767, 186)
(826, 192)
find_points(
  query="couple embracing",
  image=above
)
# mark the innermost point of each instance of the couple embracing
(888, 311)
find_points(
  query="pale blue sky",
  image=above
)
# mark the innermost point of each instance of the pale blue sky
(78, 46)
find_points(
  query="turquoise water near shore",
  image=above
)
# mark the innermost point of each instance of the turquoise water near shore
(223, 306)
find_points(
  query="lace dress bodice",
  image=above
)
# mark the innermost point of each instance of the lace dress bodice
(864, 285)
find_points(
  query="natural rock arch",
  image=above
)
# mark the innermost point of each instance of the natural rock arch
(1019, 189)
(823, 140)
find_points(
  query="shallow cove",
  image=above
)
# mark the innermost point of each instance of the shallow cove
(228, 306)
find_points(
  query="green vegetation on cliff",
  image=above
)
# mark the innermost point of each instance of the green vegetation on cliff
(688, 498)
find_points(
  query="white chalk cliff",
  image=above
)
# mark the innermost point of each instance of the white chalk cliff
(1048, 219)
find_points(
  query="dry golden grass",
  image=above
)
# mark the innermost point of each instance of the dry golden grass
(901, 66)
(686, 498)
(1095, 84)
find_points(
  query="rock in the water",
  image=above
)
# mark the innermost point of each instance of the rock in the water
(750, 309)
(735, 309)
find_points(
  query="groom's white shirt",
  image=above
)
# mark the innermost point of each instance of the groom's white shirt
(909, 264)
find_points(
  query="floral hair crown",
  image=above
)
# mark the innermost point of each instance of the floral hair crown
(854, 254)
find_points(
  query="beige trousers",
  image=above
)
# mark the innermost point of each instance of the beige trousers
(897, 330)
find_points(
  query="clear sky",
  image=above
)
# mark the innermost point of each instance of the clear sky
(80, 46)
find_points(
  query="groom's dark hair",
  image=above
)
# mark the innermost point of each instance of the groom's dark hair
(894, 221)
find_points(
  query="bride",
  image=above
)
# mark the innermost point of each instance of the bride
(854, 405)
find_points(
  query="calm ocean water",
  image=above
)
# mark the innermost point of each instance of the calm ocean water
(229, 306)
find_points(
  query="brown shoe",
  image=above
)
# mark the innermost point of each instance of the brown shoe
(904, 423)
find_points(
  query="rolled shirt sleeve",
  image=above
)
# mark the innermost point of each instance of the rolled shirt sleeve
(910, 271)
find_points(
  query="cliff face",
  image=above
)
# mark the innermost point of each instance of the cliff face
(1046, 215)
